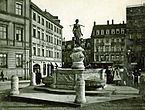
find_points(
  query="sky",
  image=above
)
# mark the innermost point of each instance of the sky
(87, 11)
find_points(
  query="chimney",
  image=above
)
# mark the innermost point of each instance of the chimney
(107, 22)
(45, 10)
(123, 22)
(112, 21)
(94, 23)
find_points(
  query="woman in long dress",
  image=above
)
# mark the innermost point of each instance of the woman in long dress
(117, 78)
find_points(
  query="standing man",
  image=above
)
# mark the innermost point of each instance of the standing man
(2, 75)
(136, 74)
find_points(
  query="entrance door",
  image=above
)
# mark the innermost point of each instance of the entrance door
(35, 67)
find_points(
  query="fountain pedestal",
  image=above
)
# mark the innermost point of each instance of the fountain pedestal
(80, 88)
(77, 60)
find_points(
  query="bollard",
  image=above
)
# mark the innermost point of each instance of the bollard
(33, 79)
(142, 86)
(80, 90)
(14, 85)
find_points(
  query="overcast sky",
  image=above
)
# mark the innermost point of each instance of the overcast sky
(87, 11)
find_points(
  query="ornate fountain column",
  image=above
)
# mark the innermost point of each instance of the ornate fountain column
(78, 68)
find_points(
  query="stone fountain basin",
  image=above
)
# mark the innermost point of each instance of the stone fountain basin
(66, 78)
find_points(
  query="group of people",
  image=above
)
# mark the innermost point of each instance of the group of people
(121, 76)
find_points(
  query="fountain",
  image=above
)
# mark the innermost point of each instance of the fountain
(74, 78)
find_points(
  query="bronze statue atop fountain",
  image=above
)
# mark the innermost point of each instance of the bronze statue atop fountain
(77, 33)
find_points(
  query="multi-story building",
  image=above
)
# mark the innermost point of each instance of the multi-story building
(108, 43)
(136, 34)
(14, 37)
(46, 40)
(67, 48)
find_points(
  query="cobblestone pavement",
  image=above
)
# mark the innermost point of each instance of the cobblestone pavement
(131, 104)
(126, 104)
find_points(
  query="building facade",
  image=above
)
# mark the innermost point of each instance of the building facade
(67, 48)
(46, 41)
(136, 34)
(108, 43)
(14, 37)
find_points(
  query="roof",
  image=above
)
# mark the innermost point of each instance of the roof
(110, 26)
(47, 15)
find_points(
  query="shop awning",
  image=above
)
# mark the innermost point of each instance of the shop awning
(58, 64)
(53, 63)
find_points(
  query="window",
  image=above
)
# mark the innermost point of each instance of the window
(47, 24)
(43, 52)
(117, 40)
(122, 58)
(57, 42)
(113, 31)
(47, 38)
(34, 51)
(50, 53)
(38, 19)
(122, 31)
(42, 21)
(102, 58)
(102, 32)
(112, 48)
(42, 35)
(47, 53)
(107, 48)
(34, 16)
(118, 48)
(19, 34)
(112, 57)
(34, 32)
(19, 60)
(54, 40)
(38, 52)
(117, 57)
(44, 69)
(51, 39)
(19, 8)
(107, 31)
(51, 26)
(3, 31)
(101, 49)
(97, 32)
(117, 31)
(54, 28)
(57, 54)
(107, 40)
(107, 57)
(38, 34)
(3, 60)
(3, 5)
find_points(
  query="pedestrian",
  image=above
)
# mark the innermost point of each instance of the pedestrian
(38, 77)
(136, 74)
(109, 75)
(2, 75)
(117, 78)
